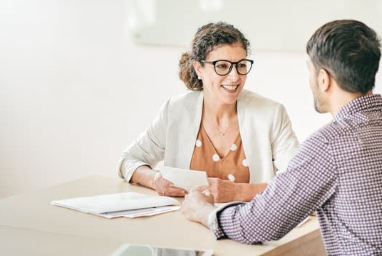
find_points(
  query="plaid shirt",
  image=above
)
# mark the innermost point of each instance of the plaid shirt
(336, 172)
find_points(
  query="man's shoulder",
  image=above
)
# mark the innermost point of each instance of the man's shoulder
(328, 133)
(336, 129)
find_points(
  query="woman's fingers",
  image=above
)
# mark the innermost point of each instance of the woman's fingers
(171, 190)
(167, 188)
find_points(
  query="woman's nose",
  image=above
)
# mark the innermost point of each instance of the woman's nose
(234, 75)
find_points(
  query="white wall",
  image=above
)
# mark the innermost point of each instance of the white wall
(271, 24)
(75, 91)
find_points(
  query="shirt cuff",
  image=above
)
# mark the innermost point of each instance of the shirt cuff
(213, 219)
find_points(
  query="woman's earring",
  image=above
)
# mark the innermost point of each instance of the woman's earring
(199, 78)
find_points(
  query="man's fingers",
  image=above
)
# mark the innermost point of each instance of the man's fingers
(206, 192)
(202, 188)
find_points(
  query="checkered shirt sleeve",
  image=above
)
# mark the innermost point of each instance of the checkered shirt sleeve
(288, 199)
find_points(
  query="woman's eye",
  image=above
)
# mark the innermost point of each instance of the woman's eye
(222, 66)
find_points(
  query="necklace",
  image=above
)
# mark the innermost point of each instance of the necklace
(217, 127)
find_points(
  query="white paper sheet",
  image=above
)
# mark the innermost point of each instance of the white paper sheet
(140, 212)
(183, 178)
(127, 204)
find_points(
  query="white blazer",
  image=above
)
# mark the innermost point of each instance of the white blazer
(266, 132)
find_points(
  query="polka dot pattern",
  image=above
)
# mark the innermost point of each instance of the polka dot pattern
(231, 177)
(219, 164)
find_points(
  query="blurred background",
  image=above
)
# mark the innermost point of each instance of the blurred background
(80, 79)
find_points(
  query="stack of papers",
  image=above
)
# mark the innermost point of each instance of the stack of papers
(128, 204)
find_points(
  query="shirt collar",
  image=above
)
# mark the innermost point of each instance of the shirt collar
(367, 102)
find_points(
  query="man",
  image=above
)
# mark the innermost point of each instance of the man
(337, 171)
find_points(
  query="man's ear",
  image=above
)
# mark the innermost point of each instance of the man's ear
(197, 67)
(323, 80)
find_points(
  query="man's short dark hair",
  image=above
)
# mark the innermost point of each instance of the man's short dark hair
(349, 51)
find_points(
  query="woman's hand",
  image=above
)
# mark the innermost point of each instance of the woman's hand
(227, 191)
(166, 188)
(222, 190)
(145, 176)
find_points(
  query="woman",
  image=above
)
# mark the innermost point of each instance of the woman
(238, 137)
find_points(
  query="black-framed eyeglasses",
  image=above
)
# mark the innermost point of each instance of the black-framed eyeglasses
(224, 67)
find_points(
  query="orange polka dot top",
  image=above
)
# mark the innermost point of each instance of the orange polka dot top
(233, 166)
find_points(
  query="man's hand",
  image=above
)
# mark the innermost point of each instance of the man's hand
(197, 206)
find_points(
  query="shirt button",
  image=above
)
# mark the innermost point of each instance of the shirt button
(231, 177)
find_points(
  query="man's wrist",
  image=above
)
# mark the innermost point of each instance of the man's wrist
(204, 214)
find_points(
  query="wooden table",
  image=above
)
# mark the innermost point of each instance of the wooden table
(29, 225)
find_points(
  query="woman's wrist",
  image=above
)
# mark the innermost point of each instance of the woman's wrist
(246, 191)
(241, 189)
(249, 191)
(156, 175)
(145, 176)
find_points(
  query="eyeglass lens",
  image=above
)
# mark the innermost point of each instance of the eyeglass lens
(223, 67)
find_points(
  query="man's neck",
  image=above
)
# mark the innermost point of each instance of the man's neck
(342, 98)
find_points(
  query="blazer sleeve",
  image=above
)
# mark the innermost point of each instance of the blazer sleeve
(148, 148)
(284, 141)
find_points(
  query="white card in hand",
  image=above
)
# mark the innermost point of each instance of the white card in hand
(182, 178)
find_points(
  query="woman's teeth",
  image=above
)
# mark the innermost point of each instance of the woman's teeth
(230, 87)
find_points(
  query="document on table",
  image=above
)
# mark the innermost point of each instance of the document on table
(127, 204)
(183, 178)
